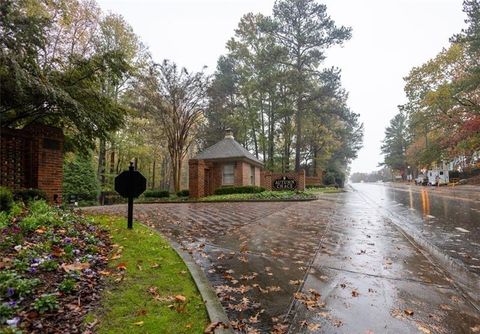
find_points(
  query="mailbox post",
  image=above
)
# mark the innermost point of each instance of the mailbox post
(130, 184)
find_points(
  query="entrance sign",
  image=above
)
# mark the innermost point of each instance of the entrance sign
(284, 183)
(130, 184)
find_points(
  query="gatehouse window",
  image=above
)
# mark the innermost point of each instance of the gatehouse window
(228, 174)
(252, 175)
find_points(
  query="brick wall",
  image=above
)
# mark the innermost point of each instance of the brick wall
(257, 176)
(313, 180)
(33, 158)
(206, 176)
(196, 178)
(268, 178)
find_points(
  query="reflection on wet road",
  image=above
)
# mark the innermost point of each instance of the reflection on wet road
(451, 224)
(372, 279)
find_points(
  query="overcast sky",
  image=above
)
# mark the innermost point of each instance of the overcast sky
(389, 38)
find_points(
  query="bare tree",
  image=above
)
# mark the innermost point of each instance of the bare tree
(176, 99)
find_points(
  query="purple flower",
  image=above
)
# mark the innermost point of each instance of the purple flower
(32, 270)
(67, 240)
(88, 271)
(13, 322)
(10, 292)
(12, 304)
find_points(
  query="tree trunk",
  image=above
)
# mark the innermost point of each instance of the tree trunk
(298, 142)
(271, 129)
(102, 162)
(153, 176)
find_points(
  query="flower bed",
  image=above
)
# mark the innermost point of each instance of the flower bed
(51, 269)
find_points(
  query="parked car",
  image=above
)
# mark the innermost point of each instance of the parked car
(421, 180)
(438, 177)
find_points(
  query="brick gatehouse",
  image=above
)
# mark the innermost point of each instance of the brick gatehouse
(227, 163)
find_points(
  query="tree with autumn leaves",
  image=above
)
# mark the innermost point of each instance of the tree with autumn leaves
(442, 113)
(65, 63)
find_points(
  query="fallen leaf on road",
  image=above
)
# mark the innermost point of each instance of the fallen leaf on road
(423, 329)
(408, 312)
(313, 327)
(355, 293)
(214, 325)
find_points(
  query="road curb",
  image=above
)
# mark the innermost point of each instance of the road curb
(463, 276)
(215, 310)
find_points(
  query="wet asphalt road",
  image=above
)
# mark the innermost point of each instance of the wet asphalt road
(340, 264)
(445, 217)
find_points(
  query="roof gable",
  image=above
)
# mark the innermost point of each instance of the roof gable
(227, 148)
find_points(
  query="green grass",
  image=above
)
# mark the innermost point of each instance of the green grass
(266, 195)
(325, 190)
(128, 306)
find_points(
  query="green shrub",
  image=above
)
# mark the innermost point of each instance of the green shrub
(28, 195)
(46, 302)
(156, 193)
(6, 199)
(239, 190)
(79, 179)
(310, 186)
(68, 285)
(183, 193)
(329, 178)
(41, 214)
(49, 265)
(11, 284)
(6, 312)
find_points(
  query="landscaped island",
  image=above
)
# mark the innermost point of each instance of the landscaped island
(63, 272)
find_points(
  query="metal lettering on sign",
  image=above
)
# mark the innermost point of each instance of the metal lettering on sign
(284, 183)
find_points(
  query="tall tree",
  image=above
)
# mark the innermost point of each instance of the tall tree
(67, 92)
(395, 143)
(176, 99)
(305, 30)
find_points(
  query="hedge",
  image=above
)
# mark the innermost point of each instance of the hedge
(239, 190)
(156, 193)
(27, 195)
(183, 193)
(6, 199)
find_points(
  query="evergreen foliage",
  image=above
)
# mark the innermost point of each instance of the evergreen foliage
(79, 179)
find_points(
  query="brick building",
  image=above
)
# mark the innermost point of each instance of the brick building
(227, 163)
(32, 158)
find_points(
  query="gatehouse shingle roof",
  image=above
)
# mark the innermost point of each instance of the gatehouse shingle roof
(227, 148)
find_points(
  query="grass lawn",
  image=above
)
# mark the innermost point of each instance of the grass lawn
(151, 290)
(265, 195)
(325, 190)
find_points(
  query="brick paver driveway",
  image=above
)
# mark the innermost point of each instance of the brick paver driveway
(335, 265)
(255, 254)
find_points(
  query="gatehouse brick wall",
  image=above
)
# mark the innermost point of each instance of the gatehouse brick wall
(32, 157)
(268, 178)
